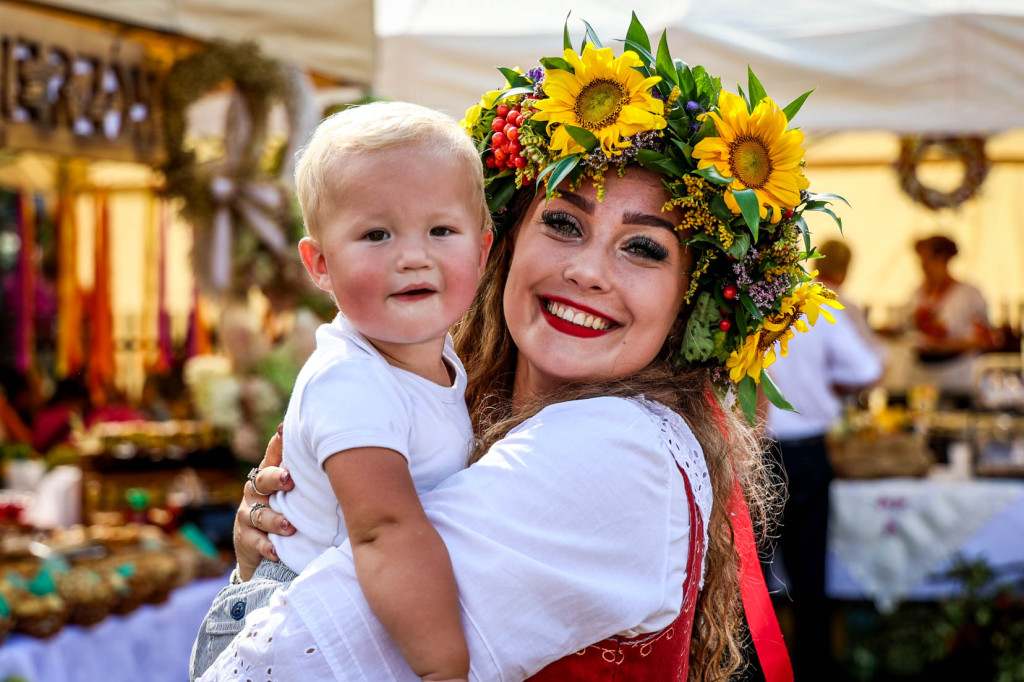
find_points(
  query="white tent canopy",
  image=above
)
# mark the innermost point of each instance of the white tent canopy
(900, 65)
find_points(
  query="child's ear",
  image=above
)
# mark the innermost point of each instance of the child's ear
(485, 249)
(316, 263)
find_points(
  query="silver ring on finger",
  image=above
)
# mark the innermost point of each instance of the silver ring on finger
(252, 509)
(252, 479)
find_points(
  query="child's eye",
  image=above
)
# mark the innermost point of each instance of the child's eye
(646, 248)
(441, 231)
(376, 235)
(564, 224)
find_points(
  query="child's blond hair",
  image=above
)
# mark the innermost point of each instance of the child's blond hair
(377, 127)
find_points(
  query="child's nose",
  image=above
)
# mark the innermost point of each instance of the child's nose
(413, 256)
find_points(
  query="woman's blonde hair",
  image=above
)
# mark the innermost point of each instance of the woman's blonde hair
(375, 127)
(731, 447)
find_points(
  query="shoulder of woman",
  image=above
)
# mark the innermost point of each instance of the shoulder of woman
(634, 423)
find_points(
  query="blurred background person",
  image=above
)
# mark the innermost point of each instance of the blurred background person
(947, 321)
(823, 365)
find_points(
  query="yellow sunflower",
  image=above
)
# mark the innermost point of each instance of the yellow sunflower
(756, 149)
(473, 114)
(809, 299)
(606, 95)
(751, 358)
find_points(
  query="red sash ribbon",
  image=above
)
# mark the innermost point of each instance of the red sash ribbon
(757, 605)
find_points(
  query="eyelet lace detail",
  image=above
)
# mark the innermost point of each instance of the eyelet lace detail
(680, 441)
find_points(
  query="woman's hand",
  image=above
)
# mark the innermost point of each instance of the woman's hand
(250, 534)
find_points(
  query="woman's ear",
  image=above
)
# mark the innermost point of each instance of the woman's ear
(316, 263)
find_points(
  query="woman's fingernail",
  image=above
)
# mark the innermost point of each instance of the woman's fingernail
(285, 525)
(280, 429)
(286, 478)
(273, 550)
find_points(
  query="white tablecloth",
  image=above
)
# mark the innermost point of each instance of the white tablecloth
(152, 643)
(892, 539)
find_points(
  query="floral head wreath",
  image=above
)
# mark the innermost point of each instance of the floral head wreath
(730, 163)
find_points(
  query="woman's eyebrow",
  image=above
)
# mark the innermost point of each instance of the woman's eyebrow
(579, 202)
(633, 218)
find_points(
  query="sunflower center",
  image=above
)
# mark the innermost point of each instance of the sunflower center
(772, 335)
(750, 161)
(599, 104)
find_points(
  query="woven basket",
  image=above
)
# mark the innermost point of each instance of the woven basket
(882, 457)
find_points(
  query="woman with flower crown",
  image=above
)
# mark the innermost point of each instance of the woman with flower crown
(646, 272)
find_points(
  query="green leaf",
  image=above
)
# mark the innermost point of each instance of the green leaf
(566, 43)
(583, 136)
(755, 88)
(666, 68)
(686, 149)
(515, 80)
(720, 210)
(512, 92)
(827, 198)
(739, 89)
(698, 343)
(746, 391)
(794, 106)
(645, 54)
(707, 128)
(772, 392)
(711, 174)
(748, 303)
(556, 63)
(559, 170)
(638, 34)
(687, 85)
(592, 35)
(659, 163)
(740, 245)
(747, 201)
(500, 192)
(705, 86)
(801, 225)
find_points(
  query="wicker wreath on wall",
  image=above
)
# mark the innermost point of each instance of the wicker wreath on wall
(970, 151)
(240, 203)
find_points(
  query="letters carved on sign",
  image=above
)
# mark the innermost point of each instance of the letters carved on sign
(67, 89)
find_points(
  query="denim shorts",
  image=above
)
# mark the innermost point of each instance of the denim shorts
(226, 617)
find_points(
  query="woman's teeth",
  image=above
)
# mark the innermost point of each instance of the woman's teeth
(577, 317)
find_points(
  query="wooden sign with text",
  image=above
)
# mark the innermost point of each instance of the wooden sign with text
(75, 90)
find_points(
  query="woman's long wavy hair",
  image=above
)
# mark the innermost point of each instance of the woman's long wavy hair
(731, 447)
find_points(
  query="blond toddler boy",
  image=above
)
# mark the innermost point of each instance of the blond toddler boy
(398, 235)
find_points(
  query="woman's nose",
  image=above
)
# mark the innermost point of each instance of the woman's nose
(588, 269)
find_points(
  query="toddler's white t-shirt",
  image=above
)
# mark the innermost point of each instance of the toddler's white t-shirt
(348, 396)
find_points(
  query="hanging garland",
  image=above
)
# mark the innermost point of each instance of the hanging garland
(970, 151)
(236, 189)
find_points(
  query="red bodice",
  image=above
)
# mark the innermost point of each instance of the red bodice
(655, 657)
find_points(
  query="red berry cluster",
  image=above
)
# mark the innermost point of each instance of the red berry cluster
(505, 148)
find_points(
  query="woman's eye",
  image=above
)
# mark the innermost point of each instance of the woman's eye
(376, 235)
(441, 231)
(563, 224)
(646, 248)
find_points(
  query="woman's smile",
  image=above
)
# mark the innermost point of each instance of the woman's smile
(574, 318)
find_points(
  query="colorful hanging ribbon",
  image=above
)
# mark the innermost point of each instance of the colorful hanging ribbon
(101, 349)
(69, 355)
(25, 289)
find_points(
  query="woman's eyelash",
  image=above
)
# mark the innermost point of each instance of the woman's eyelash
(645, 247)
(560, 222)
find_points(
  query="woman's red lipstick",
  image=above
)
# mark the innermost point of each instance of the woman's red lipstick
(571, 328)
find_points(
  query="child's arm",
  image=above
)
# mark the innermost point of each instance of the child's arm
(401, 562)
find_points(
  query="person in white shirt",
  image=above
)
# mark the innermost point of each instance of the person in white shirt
(821, 365)
(399, 231)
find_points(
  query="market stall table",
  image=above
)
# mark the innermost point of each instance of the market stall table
(893, 539)
(152, 643)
